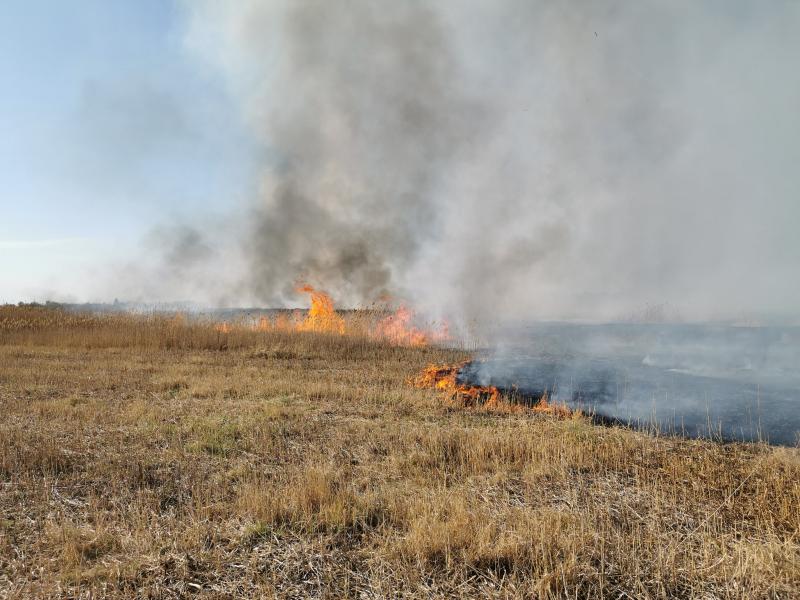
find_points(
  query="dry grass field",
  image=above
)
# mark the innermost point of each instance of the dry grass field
(160, 458)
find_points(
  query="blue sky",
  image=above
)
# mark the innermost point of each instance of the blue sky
(109, 127)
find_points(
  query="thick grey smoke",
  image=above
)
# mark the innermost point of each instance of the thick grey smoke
(520, 158)
(362, 115)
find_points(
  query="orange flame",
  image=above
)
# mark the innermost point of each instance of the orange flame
(321, 316)
(444, 378)
(398, 328)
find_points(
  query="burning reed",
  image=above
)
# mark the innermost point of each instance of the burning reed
(39, 325)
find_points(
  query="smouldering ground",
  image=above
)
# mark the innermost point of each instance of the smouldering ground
(172, 464)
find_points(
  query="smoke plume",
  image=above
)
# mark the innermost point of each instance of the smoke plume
(519, 159)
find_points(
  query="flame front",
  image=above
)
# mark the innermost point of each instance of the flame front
(444, 378)
(321, 318)
(398, 328)
(223, 327)
(264, 324)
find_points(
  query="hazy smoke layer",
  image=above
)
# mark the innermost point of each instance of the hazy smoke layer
(520, 158)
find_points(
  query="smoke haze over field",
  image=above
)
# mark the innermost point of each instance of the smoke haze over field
(539, 159)
(509, 159)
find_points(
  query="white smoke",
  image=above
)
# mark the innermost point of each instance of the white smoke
(520, 159)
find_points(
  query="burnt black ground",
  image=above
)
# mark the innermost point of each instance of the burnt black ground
(719, 381)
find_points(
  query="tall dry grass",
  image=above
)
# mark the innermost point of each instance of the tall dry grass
(37, 325)
(143, 461)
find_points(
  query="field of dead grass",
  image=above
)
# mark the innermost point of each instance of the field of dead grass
(144, 457)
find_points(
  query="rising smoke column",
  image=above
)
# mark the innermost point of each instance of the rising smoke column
(361, 112)
(520, 159)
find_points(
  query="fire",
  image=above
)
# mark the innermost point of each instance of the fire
(223, 327)
(321, 316)
(444, 378)
(399, 329)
